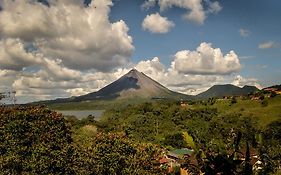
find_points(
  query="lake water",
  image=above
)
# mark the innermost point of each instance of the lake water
(84, 113)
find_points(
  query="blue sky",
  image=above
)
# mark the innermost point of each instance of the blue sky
(260, 17)
(66, 48)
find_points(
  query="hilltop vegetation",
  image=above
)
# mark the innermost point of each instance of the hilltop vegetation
(219, 128)
(265, 109)
(131, 139)
(35, 140)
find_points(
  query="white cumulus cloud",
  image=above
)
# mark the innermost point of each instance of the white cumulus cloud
(244, 32)
(60, 50)
(206, 60)
(177, 81)
(214, 7)
(269, 45)
(46, 84)
(241, 81)
(13, 55)
(154, 68)
(195, 8)
(155, 23)
(148, 4)
(81, 37)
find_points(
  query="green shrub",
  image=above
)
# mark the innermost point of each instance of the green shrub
(264, 103)
(233, 100)
(34, 140)
(114, 153)
(175, 140)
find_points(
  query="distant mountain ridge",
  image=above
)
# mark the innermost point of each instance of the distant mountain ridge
(276, 87)
(136, 84)
(226, 90)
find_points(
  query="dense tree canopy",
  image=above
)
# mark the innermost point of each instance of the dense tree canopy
(34, 141)
(114, 153)
(132, 139)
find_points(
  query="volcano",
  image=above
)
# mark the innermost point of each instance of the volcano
(134, 84)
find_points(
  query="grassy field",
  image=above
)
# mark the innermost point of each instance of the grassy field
(251, 108)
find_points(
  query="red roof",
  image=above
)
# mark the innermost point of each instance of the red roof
(163, 160)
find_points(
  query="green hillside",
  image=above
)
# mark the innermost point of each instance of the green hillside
(226, 90)
(135, 133)
(249, 108)
(246, 107)
(218, 128)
